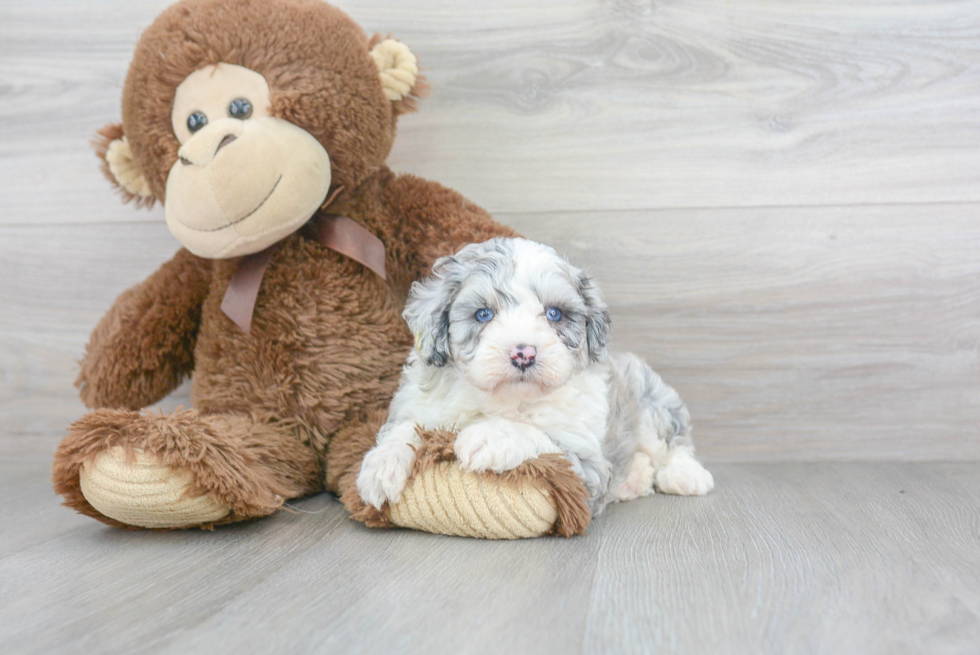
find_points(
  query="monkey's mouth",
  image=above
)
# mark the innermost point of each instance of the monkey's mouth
(236, 222)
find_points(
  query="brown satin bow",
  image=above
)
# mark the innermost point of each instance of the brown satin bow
(333, 231)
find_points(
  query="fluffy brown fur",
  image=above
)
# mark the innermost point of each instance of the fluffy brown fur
(313, 56)
(303, 390)
(250, 464)
(159, 318)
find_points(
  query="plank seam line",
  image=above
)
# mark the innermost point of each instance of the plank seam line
(538, 212)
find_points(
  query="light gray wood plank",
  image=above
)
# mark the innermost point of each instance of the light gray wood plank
(795, 333)
(574, 105)
(799, 334)
(317, 581)
(59, 280)
(801, 558)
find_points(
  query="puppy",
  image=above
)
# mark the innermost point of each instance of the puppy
(511, 352)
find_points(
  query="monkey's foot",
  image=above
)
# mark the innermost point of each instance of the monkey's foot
(180, 470)
(140, 490)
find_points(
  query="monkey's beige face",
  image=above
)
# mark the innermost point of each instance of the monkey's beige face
(245, 179)
(245, 176)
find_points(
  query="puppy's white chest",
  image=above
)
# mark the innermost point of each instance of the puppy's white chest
(578, 411)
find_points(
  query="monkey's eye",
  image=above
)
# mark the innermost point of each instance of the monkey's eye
(196, 121)
(240, 108)
(553, 314)
(483, 315)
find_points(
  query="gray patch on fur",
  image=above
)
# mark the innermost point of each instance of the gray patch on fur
(636, 392)
(427, 311)
(441, 310)
(597, 319)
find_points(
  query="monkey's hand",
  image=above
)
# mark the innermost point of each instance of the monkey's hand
(144, 346)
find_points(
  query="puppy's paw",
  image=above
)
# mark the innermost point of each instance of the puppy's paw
(482, 447)
(384, 473)
(684, 476)
(639, 482)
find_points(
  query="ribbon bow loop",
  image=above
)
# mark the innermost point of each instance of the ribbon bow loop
(333, 231)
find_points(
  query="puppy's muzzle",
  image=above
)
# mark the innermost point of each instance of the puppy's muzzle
(522, 357)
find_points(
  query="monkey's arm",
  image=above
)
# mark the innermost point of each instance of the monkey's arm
(435, 221)
(144, 346)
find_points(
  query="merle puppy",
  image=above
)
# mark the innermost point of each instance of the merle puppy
(511, 351)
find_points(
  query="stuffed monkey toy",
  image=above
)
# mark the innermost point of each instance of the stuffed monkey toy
(263, 127)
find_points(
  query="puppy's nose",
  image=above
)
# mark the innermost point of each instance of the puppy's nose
(522, 356)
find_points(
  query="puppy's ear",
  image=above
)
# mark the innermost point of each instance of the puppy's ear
(427, 310)
(597, 321)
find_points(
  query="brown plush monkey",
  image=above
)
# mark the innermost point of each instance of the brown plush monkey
(263, 127)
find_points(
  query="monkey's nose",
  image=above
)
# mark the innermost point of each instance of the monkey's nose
(522, 356)
(225, 141)
(228, 138)
(204, 146)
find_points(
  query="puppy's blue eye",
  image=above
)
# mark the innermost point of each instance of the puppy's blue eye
(483, 315)
(553, 314)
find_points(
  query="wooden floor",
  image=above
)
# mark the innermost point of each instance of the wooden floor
(781, 202)
(782, 558)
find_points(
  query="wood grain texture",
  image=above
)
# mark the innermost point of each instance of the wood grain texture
(782, 558)
(575, 105)
(805, 333)
(825, 331)
(800, 558)
(794, 334)
(781, 202)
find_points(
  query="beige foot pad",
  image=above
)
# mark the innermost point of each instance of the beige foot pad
(145, 493)
(445, 500)
(540, 497)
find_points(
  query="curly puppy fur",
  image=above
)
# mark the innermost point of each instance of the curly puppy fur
(511, 351)
(327, 340)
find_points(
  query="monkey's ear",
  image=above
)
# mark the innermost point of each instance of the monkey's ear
(118, 166)
(398, 69)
